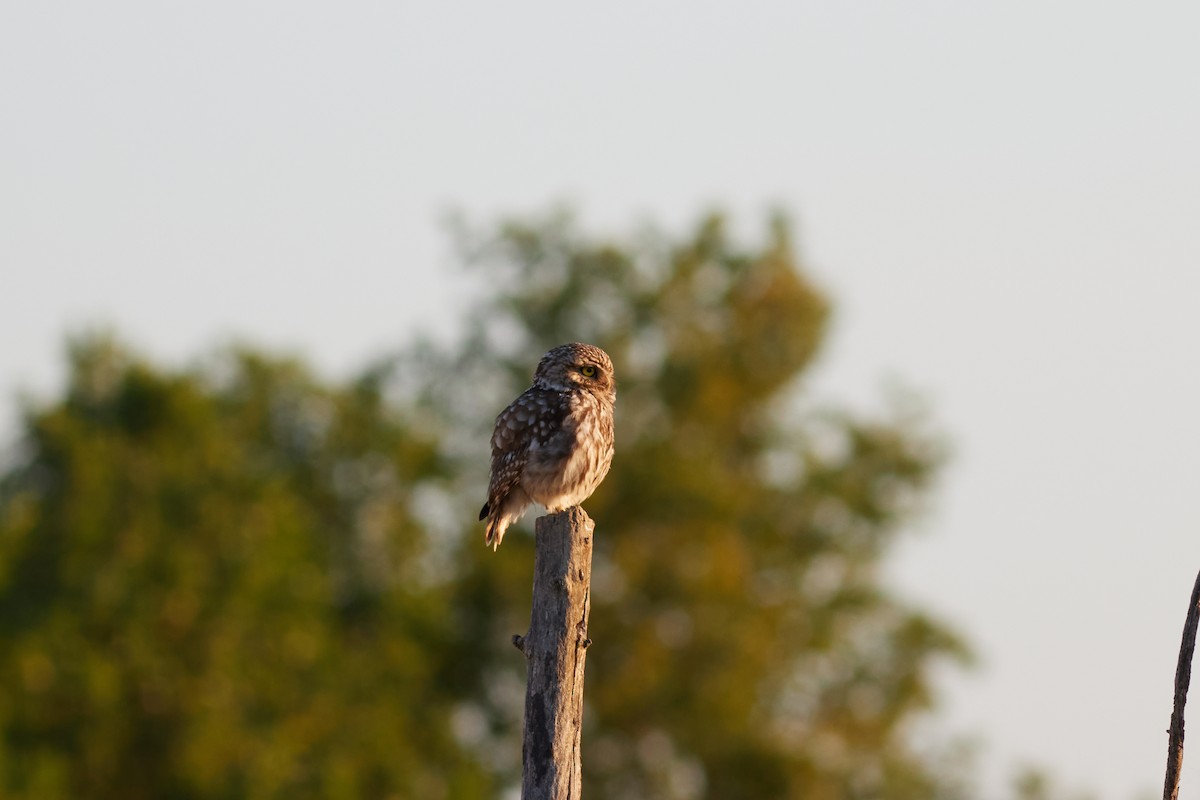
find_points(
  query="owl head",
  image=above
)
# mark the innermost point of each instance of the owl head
(574, 366)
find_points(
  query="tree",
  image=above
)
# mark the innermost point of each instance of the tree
(236, 580)
(744, 646)
(210, 586)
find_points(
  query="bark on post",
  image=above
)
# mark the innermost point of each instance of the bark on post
(555, 649)
(1183, 677)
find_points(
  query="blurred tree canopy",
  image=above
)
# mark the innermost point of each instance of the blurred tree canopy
(236, 580)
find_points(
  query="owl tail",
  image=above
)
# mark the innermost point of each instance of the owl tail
(495, 532)
(495, 526)
(501, 514)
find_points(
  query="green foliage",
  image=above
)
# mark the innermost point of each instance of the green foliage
(204, 592)
(744, 646)
(238, 581)
(1032, 783)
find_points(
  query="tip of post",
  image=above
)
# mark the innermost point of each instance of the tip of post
(574, 517)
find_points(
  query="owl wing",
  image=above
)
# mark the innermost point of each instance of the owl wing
(530, 421)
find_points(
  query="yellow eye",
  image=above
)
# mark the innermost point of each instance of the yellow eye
(588, 371)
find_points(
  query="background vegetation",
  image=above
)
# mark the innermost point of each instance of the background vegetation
(236, 580)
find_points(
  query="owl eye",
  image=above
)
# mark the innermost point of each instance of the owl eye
(588, 371)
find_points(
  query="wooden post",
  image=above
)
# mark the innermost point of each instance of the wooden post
(555, 649)
(1183, 676)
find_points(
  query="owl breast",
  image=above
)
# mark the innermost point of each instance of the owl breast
(565, 468)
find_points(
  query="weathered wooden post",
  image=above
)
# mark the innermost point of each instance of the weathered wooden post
(555, 649)
(1183, 677)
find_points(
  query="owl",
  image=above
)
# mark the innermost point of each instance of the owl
(553, 444)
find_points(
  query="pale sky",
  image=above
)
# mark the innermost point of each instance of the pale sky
(1003, 199)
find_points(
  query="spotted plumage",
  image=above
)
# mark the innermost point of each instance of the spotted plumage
(553, 444)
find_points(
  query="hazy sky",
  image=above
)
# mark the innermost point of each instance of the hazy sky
(1003, 199)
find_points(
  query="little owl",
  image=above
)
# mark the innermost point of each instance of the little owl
(553, 444)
